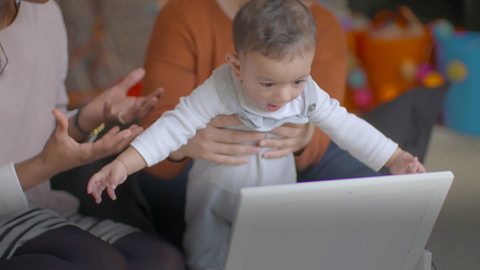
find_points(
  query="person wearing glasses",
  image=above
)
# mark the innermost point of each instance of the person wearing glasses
(40, 228)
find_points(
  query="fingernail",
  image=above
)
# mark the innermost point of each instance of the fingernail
(127, 134)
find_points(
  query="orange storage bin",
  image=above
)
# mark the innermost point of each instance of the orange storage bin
(385, 56)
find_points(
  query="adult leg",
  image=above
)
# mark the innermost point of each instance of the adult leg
(335, 164)
(67, 247)
(143, 251)
(130, 207)
(166, 199)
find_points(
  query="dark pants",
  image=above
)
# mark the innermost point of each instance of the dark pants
(69, 247)
(167, 197)
(335, 164)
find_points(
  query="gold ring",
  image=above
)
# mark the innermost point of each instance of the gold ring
(120, 118)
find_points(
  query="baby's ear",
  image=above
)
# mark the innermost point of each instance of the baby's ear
(234, 63)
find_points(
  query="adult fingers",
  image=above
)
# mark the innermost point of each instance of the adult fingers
(61, 121)
(230, 136)
(225, 121)
(289, 130)
(135, 131)
(282, 152)
(130, 80)
(109, 143)
(227, 159)
(147, 106)
(279, 143)
(234, 149)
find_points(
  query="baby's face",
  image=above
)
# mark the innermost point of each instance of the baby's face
(269, 83)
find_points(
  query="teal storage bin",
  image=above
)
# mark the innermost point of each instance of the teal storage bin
(458, 57)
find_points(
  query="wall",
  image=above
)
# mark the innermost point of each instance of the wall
(107, 38)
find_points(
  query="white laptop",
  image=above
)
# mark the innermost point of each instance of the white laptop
(379, 223)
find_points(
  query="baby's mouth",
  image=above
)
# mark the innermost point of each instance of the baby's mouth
(272, 107)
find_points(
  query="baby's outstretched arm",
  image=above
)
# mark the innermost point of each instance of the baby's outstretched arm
(115, 173)
(402, 162)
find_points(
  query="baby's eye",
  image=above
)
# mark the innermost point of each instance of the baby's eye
(299, 82)
(266, 84)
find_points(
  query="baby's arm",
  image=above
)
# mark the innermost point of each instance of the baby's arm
(402, 162)
(115, 173)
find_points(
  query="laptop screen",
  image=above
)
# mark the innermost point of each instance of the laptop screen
(365, 223)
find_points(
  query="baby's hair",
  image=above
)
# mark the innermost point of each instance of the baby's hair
(274, 28)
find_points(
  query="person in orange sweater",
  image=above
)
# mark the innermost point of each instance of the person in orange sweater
(190, 39)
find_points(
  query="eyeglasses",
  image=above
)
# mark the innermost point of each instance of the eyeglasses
(3, 59)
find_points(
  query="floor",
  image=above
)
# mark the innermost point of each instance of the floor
(455, 239)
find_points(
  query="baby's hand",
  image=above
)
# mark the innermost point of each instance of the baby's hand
(403, 162)
(109, 177)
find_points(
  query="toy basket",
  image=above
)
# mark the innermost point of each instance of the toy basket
(458, 58)
(384, 55)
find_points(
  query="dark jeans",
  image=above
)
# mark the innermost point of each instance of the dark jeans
(69, 247)
(335, 164)
(167, 197)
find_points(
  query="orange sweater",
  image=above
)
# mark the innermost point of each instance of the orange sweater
(190, 39)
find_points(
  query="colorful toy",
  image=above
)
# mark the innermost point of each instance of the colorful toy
(388, 91)
(443, 29)
(409, 69)
(458, 56)
(360, 94)
(356, 78)
(433, 80)
(422, 71)
(428, 77)
(456, 71)
(424, 74)
(362, 97)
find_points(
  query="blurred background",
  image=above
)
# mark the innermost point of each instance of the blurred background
(462, 13)
(108, 38)
(428, 44)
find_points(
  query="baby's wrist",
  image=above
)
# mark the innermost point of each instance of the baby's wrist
(394, 157)
(122, 164)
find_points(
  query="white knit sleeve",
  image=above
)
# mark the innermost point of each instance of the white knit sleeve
(351, 133)
(12, 197)
(175, 127)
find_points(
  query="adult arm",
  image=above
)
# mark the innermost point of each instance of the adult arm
(61, 152)
(113, 104)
